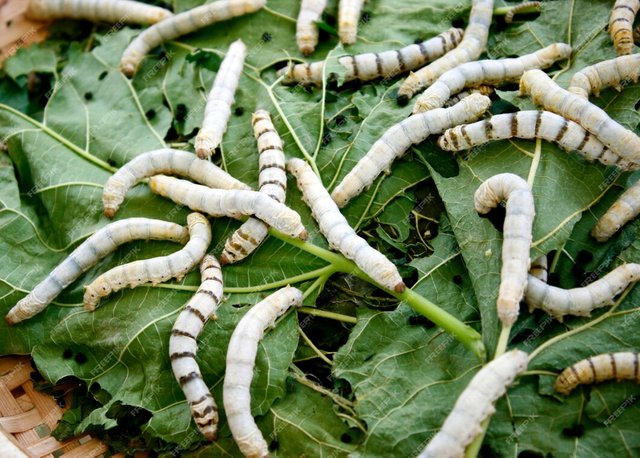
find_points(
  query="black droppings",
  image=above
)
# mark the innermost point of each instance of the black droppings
(457, 279)
(103, 75)
(80, 358)
(150, 114)
(402, 100)
(67, 354)
(239, 111)
(88, 96)
(267, 37)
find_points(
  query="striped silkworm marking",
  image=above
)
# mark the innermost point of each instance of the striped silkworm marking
(169, 161)
(337, 231)
(472, 45)
(348, 19)
(623, 210)
(530, 125)
(183, 346)
(475, 404)
(539, 269)
(232, 203)
(398, 138)
(597, 369)
(273, 183)
(103, 242)
(114, 11)
(154, 270)
(608, 73)
(241, 357)
(493, 72)
(183, 24)
(218, 108)
(559, 302)
(621, 25)
(306, 28)
(517, 235)
(482, 89)
(544, 91)
(508, 18)
(370, 66)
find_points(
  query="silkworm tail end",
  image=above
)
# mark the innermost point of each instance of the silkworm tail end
(224, 259)
(400, 287)
(304, 235)
(10, 319)
(109, 212)
(128, 69)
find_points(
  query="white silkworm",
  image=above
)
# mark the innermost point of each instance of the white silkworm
(241, 357)
(508, 18)
(218, 108)
(233, 203)
(539, 269)
(348, 19)
(493, 72)
(370, 66)
(169, 161)
(272, 181)
(608, 73)
(114, 11)
(183, 24)
(546, 92)
(154, 270)
(621, 24)
(472, 45)
(475, 404)
(599, 368)
(337, 231)
(623, 210)
(517, 235)
(183, 346)
(530, 125)
(559, 302)
(306, 27)
(105, 241)
(398, 138)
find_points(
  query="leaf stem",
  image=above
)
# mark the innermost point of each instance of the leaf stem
(535, 163)
(503, 10)
(313, 347)
(329, 315)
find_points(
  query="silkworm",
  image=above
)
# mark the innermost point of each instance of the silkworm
(339, 234)
(508, 18)
(623, 210)
(114, 11)
(241, 356)
(539, 269)
(475, 404)
(183, 24)
(370, 66)
(218, 108)
(398, 138)
(546, 92)
(306, 27)
(103, 242)
(273, 183)
(348, 19)
(482, 89)
(233, 203)
(517, 235)
(597, 369)
(559, 302)
(154, 270)
(530, 125)
(472, 45)
(491, 72)
(621, 24)
(169, 161)
(183, 346)
(608, 73)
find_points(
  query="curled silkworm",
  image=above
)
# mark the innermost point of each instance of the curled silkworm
(546, 92)
(475, 404)
(398, 138)
(218, 108)
(599, 368)
(114, 11)
(621, 24)
(348, 19)
(96, 247)
(339, 234)
(530, 125)
(272, 181)
(472, 45)
(183, 347)
(233, 203)
(508, 18)
(608, 73)
(241, 357)
(306, 27)
(183, 24)
(623, 210)
(482, 89)
(370, 66)
(169, 161)
(154, 270)
(559, 302)
(491, 72)
(516, 244)
(539, 269)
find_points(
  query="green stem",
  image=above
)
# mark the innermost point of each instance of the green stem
(503, 10)
(328, 315)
